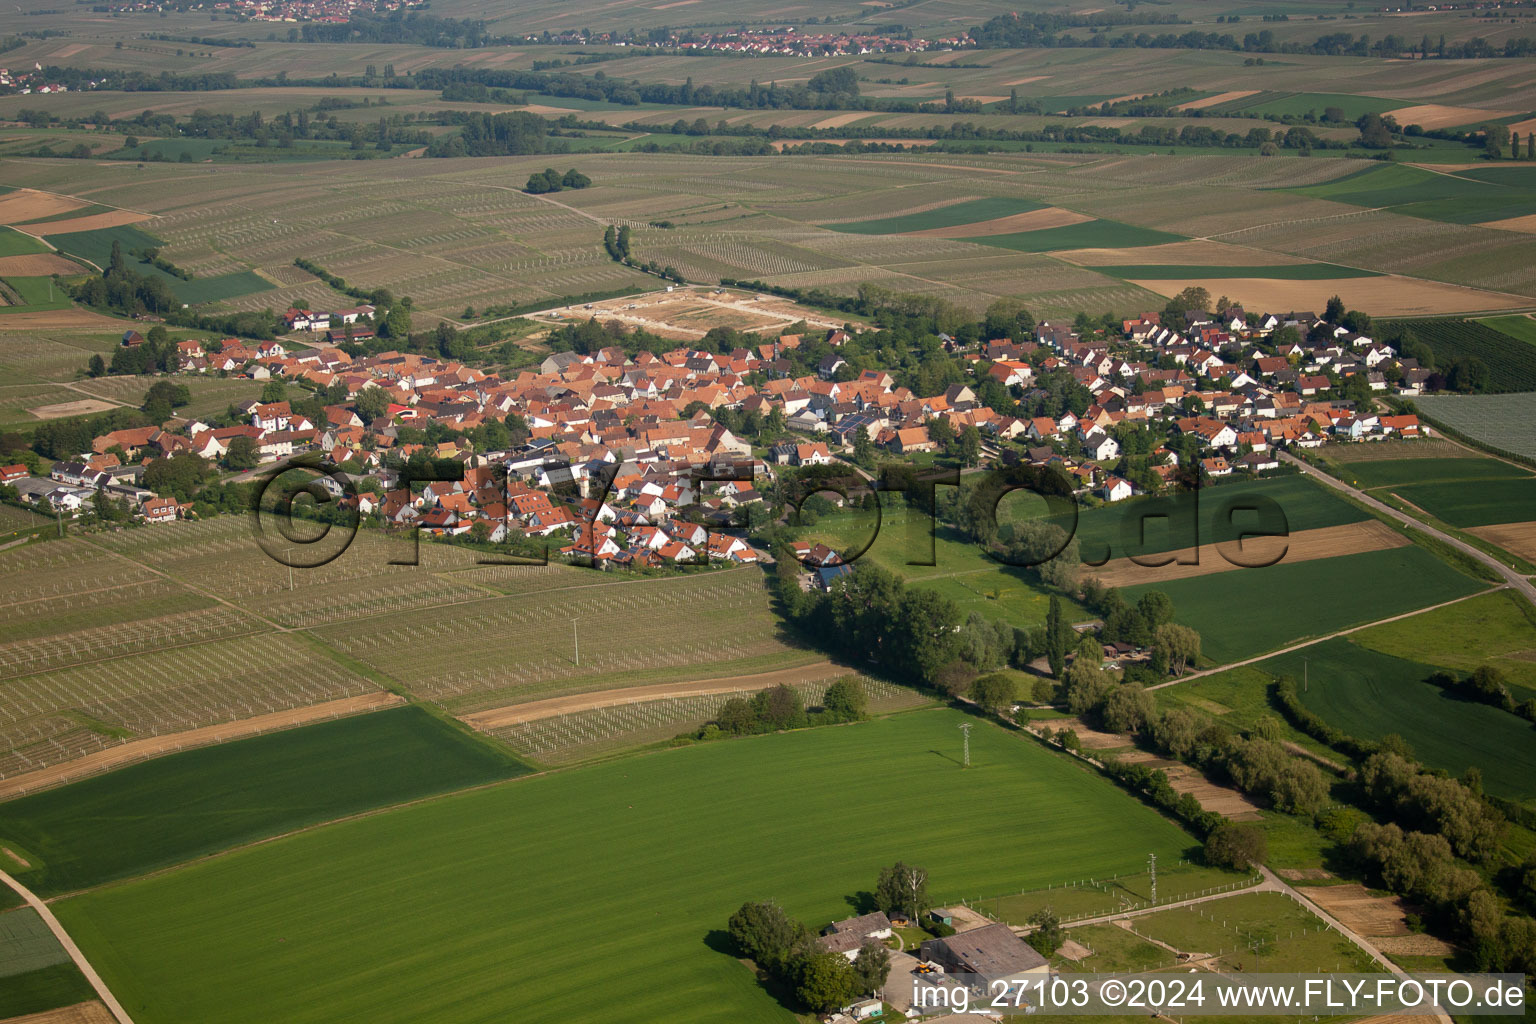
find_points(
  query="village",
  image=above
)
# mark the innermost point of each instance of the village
(623, 461)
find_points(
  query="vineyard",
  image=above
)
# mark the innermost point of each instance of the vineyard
(1502, 421)
(1511, 362)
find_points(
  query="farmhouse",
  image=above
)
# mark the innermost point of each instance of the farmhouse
(992, 950)
(852, 934)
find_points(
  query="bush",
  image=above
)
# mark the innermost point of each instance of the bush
(1235, 845)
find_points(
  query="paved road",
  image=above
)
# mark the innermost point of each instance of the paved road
(1510, 576)
(102, 992)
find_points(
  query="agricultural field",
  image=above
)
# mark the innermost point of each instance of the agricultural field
(1492, 629)
(1263, 932)
(136, 634)
(452, 233)
(183, 806)
(1369, 586)
(1369, 694)
(452, 884)
(1521, 327)
(1501, 421)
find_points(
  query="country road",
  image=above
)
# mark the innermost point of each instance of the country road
(102, 992)
(1513, 578)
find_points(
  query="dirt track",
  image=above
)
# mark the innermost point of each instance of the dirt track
(1327, 542)
(497, 718)
(142, 750)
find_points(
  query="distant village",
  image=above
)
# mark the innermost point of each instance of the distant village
(611, 447)
(787, 41)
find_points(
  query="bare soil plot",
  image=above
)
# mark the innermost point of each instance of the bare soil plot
(1303, 874)
(1439, 115)
(1192, 253)
(1090, 738)
(81, 1013)
(30, 204)
(1388, 295)
(1026, 80)
(1073, 951)
(1525, 225)
(1217, 100)
(41, 264)
(142, 750)
(1411, 945)
(965, 919)
(1516, 538)
(91, 222)
(1228, 803)
(496, 718)
(1359, 911)
(1523, 127)
(838, 120)
(83, 407)
(1305, 546)
(1033, 220)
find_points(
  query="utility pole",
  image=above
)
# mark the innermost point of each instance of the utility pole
(288, 557)
(966, 729)
(1305, 666)
(576, 643)
(1152, 860)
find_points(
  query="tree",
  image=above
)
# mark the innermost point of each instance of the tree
(97, 367)
(846, 698)
(1334, 313)
(1128, 708)
(870, 968)
(968, 446)
(736, 717)
(994, 692)
(823, 981)
(1048, 935)
(780, 707)
(371, 403)
(1236, 845)
(273, 391)
(903, 889)
(863, 448)
(765, 934)
(575, 179)
(843, 80)
(1177, 646)
(397, 322)
(242, 453)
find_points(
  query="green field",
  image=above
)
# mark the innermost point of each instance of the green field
(971, 211)
(15, 243)
(1248, 611)
(223, 286)
(455, 909)
(37, 293)
(175, 808)
(1107, 234)
(1301, 103)
(1519, 326)
(1261, 932)
(46, 988)
(96, 246)
(1392, 472)
(1494, 629)
(1483, 504)
(962, 572)
(1370, 694)
(1456, 198)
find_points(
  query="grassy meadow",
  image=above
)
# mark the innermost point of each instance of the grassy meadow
(586, 866)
